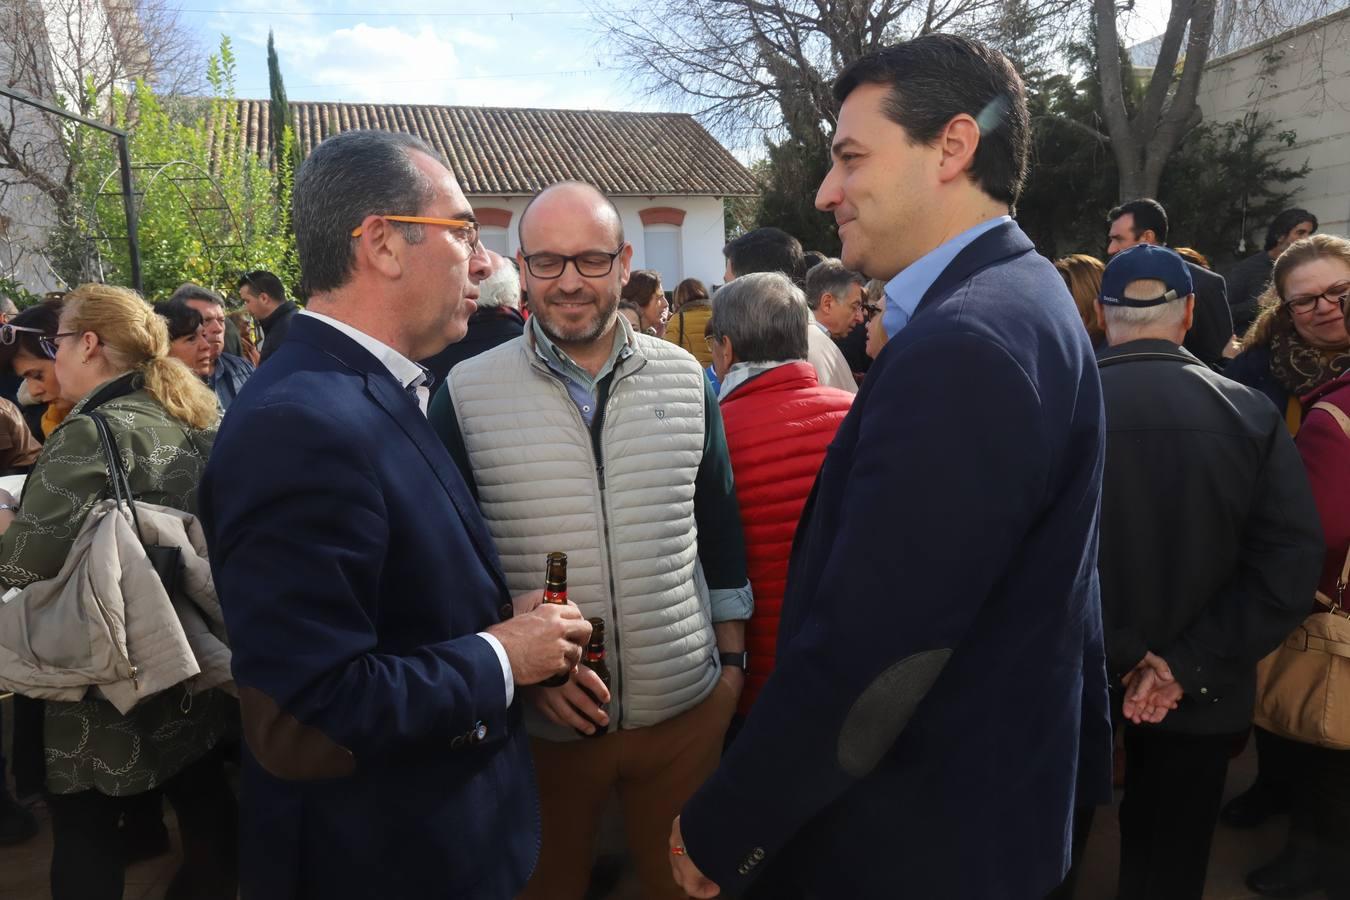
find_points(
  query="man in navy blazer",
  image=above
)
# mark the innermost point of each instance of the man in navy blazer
(939, 704)
(376, 648)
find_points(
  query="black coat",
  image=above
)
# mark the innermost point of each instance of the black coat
(1246, 281)
(274, 329)
(1211, 546)
(488, 328)
(1213, 325)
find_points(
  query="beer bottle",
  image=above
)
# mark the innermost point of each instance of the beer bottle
(594, 660)
(555, 591)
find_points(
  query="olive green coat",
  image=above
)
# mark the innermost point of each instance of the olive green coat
(89, 744)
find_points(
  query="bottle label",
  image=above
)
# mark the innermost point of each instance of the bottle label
(555, 596)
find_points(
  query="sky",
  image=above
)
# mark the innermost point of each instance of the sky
(541, 53)
(512, 53)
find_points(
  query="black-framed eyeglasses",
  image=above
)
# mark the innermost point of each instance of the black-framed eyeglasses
(1335, 295)
(591, 264)
(869, 310)
(10, 333)
(50, 343)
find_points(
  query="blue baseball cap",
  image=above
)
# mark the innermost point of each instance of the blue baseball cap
(1145, 262)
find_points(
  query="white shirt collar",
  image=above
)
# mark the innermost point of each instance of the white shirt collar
(406, 372)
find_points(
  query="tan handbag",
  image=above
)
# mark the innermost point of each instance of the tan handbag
(1303, 688)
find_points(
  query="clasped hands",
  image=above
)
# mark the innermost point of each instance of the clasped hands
(1151, 692)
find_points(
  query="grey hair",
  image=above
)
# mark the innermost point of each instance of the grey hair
(502, 287)
(1124, 323)
(348, 177)
(189, 291)
(764, 314)
(831, 277)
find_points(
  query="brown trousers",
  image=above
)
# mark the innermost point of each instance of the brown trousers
(655, 770)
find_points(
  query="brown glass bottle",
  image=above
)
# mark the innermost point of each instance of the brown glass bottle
(555, 591)
(594, 659)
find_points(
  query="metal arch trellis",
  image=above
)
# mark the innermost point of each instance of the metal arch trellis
(124, 160)
(175, 174)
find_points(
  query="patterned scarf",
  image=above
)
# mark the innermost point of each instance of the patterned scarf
(1300, 368)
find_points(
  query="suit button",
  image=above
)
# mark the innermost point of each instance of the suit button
(758, 854)
(479, 732)
(507, 611)
(744, 870)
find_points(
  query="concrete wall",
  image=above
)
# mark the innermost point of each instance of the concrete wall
(1301, 81)
(702, 232)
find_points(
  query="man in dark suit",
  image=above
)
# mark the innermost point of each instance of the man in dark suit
(938, 707)
(375, 646)
(1145, 222)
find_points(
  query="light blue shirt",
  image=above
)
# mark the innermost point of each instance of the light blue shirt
(904, 291)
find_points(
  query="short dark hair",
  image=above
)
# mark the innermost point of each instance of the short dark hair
(182, 319)
(189, 291)
(830, 276)
(766, 250)
(1148, 215)
(765, 316)
(1286, 222)
(933, 79)
(45, 317)
(813, 258)
(348, 177)
(264, 282)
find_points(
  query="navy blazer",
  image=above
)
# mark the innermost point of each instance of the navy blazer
(354, 570)
(956, 510)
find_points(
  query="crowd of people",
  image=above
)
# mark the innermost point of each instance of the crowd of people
(892, 552)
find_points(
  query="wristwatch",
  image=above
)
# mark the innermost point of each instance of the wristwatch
(739, 660)
(9, 506)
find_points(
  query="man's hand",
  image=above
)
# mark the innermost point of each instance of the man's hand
(570, 706)
(687, 876)
(1153, 707)
(543, 642)
(1151, 691)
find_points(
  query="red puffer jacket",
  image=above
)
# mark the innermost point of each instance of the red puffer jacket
(1325, 448)
(778, 425)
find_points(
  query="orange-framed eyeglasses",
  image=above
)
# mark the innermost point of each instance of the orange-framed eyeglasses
(469, 226)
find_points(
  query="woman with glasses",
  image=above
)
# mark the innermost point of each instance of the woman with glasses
(1321, 802)
(22, 350)
(1296, 345)
(111, 353)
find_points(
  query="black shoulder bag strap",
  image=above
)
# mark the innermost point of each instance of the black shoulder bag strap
(166, 560)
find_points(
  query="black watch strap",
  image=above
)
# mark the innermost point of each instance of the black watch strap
(739, 660)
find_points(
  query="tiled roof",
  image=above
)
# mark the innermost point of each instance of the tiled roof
(506, 151)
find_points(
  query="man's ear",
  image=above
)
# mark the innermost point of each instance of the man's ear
(380, 247)
(958, 143)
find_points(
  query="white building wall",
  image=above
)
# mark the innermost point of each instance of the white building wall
(702, 234)
(1301, 81)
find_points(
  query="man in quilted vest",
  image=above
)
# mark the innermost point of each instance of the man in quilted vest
(779, 420)
(586, 437)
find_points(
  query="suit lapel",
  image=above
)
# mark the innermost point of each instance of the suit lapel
(384, 390)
